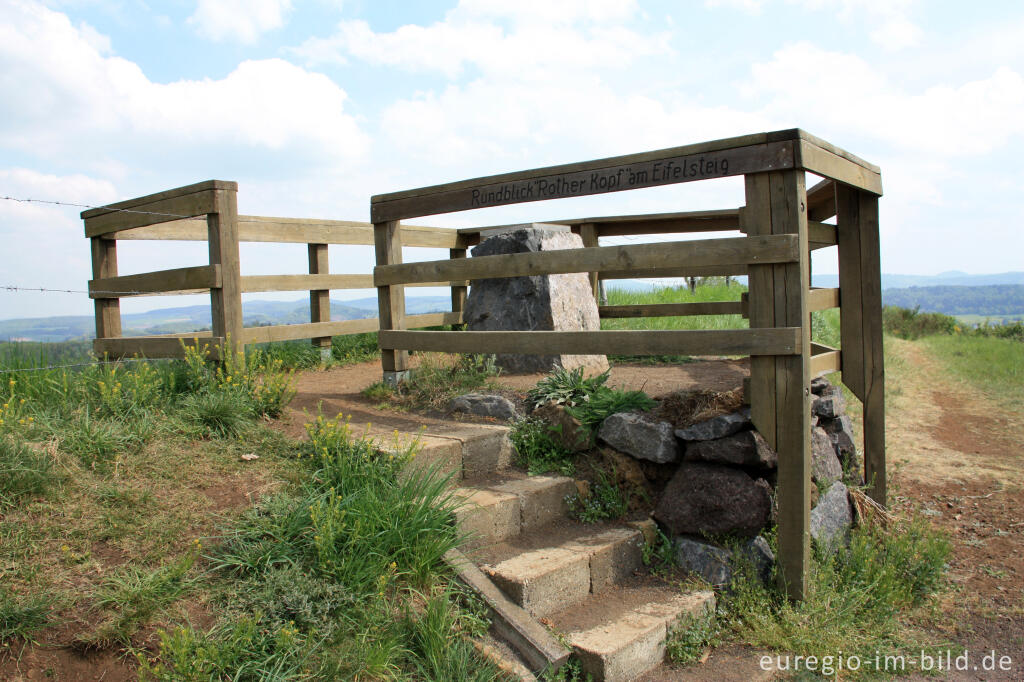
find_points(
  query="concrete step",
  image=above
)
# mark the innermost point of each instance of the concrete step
(562, 564)
(621, 634)
(464, 451)
(503, 505)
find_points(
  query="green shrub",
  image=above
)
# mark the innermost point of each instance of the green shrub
(23, 471)
(604, 501)
(913, 324)
(537, 451)
(566, 387)
(688, 640)
(604, 402)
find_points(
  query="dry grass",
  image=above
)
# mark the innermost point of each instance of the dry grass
(685, 408)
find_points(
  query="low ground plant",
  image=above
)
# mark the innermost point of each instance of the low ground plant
(22, 617)
(437, 379)
(24, 471)
(537, 451)
(603, 501)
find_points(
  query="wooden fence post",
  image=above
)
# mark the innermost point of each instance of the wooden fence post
(589, 233)
(320, 299)
(226, 301)
(459, 293)
(387, 238)
(860, 292)
(108, 310)
(777, 204)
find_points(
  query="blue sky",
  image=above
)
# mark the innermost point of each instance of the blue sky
(312, 106)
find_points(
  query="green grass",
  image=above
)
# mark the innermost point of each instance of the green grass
(22, 617)
(993, 365)
(24, 471)
(436, 380)
(537, 451)
(603, 501)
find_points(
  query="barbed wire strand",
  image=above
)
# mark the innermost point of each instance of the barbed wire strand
(15, 288)
(77, 364)
(24, 200)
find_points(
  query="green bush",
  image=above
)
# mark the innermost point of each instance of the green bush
(537, 451)
(604, 402)
(566, 387)
(913, 324)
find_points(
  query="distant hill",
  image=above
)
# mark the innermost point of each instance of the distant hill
(197, 317)
(994, 300)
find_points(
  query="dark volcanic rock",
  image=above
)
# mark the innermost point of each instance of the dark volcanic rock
(825, 466)
(717, 427)
(714, 564)
(746, 449)
(641, 436)
(829, 403)
(840, 432)
(711, 498)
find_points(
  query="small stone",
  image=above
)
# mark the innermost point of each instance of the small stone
(711, 498)
(484, 405)
(746, 448)
(717, 427)
(829, 403)
(641, 436)
(831, 518)
(761, 556)
(708, 561)
(249, 457)
(566, 429)
(825, 466)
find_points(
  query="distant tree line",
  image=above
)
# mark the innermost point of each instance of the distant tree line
(993, 299)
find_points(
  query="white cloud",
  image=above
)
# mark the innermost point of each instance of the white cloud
(60, 97)
(542, 36)
(749, 6)
(239, 20)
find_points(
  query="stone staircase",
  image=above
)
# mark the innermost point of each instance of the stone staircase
(585, 583)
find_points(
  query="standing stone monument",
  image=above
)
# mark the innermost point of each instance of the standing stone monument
(540, 302)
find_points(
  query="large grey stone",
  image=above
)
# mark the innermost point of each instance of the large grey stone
(641, 436)
(825, 466)
(819, 384)
(484, 405)
(713, 499)
(544, 302)
(746, 449)
(717, 427)
(715, 565)
(832, 517)
(830, 403)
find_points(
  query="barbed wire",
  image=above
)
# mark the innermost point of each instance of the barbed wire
(15, 288)
(77, 364)
(25, 200)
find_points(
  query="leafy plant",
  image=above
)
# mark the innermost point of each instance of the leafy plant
(604, 501)
(566, 387)
(437, 380)
(537, 450)
(688, 640)
(659, 555)
(604, 402)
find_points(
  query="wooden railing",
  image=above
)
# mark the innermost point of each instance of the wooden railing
(207, 212)
(782, 222)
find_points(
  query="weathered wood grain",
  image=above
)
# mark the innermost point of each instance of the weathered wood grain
(160, 283)
(672, 309)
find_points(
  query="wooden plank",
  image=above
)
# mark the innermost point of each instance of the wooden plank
(433, 320)
(792, 387)
(851, 320)
(309, 330)
(319, 298)
(831, 148)
(874, 356)
(821, 200)
(293, 231)
(686, 150)
(829, 165)
(172, 204)
(192, 280)
(698, 253)
(222, 238)
(650, 169)
(459, 291)
(824, 360)
(821, 234)
(678, 221)
(591, 240)
(683, 271)
(155, 346)
(756, 220)
(822, 299)
(252, 283)
(672, 309)
(778, 341)
(390, 299)
(104, 266)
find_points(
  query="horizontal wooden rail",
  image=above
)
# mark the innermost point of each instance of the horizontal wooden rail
(821, 200)
(174, 204)
(155, 346)
(821, 235)
(160, 283)
(254, 283)
(309, 330)
(822, 299)
(294, 231)
(703, 252)
(824, 359)
(771, 341)
(684, 271)
(672, 309)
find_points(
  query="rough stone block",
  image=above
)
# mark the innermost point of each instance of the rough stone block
(641, 436)
(486, 453)
(717, 427)
(545, 580)
(541, 498)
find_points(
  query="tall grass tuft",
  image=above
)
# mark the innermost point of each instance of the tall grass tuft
(24, 471)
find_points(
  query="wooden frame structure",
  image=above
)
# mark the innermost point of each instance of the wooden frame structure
(782, 221)
(207, 211)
